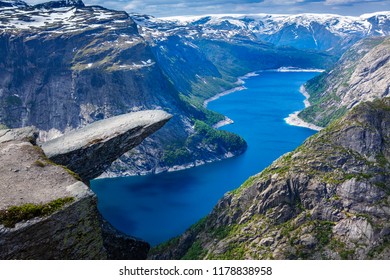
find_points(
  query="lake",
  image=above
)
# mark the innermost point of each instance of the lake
(156, 208)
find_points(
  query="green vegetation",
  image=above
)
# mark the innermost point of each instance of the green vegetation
(195, 252)
(221, 141)
(218, 138)
(323, 232)
(248, 183)
(176, 154)
(341, 249)
(164, 246)
(235, 251)
(3, 126)
(39, 163)
(15, 214)
(199, 226)
(376, 251)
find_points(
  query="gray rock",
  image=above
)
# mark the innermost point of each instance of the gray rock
(20, 134)
(268, 241)
(120, 246)
(72, 232)
(308, 241)
(90, 150)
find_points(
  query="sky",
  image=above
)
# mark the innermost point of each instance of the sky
(165, 8)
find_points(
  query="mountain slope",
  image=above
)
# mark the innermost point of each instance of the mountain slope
(362, 74)
(328, 199)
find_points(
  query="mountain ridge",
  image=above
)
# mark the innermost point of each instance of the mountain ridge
(328, 199)
(360, 75)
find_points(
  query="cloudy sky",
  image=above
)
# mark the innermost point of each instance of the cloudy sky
(164, 8)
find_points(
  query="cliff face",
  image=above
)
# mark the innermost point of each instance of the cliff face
(328, 199)
(46, 211)
(362, 74)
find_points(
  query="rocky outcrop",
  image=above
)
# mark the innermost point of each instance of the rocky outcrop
(90, 150)
(46, 211)
(29, 134)
(328, 199)
(362, 74)
(120, 246)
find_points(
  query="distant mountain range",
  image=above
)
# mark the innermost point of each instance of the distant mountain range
(325, 32)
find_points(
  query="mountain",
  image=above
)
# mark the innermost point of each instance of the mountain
(64, 65)
(328, 199)
(325, 32)
(362, 74)
(4, 4)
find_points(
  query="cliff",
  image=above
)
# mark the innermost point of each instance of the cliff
(46, 211)
(362, 74)
(90, 150)
(328, 199)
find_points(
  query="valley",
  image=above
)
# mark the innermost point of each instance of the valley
(174, 201)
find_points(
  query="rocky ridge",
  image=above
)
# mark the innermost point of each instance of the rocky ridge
(328, 199)
(362, 74)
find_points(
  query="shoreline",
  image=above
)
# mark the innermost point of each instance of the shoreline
(224, 122)
(219, 95)
(293, 118)
(240, 81)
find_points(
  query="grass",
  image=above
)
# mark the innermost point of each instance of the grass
(195, 252)
(164, 246)
(39, 163)
(15, 214)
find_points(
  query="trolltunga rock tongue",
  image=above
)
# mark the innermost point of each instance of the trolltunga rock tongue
(90, 150)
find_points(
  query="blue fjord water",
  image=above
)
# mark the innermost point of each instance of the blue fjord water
(158, 207)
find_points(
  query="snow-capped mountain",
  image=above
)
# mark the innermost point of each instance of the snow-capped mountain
(12, 4)
(304, 31)
(60, 17)
(324, 32)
